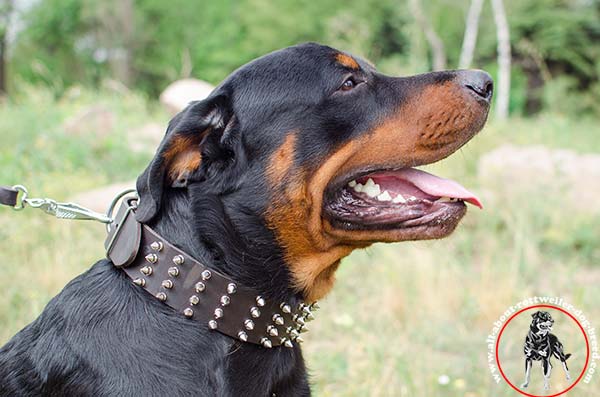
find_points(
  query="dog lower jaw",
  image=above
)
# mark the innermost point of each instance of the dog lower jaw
(437, 222)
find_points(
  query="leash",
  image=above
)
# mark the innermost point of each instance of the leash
(177, 279)
(9, 196)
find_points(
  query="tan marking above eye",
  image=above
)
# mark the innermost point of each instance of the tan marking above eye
(347, 61)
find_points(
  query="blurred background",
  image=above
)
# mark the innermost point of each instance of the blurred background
(87, 88)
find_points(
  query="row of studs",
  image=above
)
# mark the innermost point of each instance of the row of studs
(294, 332)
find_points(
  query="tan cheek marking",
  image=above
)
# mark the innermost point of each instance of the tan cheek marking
(311, 256)
(347, 61)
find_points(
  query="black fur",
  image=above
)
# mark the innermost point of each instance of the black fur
(103, 336)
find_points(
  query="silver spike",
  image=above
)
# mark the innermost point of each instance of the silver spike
(225, 300)
(243, 336)
(285, 308)
(168, 284)
(260, 301)
(277, 319)
(301, 306)
(302, 329)
(139, 281)
(188, 312)
(286, 342)
(178, 259)
(200, 287)
(157, 245)
(212, 324)
(298, 319)
(249, 324)
(298, 340)
(272, 330)
(266, 343)
(218, 313)
(146, 270)
(151, 258)
(173, 271)
(294, 333)
(315, 305)
(206, 275)
(254, 312)
(231, 288)
(161, 296)
(194, 300)
(306, 310)
(309, 317)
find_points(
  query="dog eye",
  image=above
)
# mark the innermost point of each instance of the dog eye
(349, 84)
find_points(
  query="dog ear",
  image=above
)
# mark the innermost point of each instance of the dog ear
(180, 152)
(536, 314)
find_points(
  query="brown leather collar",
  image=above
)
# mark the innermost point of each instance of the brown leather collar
(197, 292)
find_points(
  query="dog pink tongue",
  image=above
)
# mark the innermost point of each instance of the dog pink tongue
(436, 186)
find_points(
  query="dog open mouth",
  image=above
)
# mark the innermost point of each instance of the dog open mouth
(395, 199)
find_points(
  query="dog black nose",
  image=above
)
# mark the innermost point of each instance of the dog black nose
(478, 82)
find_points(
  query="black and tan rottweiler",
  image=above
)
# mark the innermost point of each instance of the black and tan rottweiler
(294, 160)
(541, 345)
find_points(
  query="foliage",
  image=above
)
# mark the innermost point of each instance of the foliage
(82, 41)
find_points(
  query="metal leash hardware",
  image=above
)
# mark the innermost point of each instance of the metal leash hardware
(65, 210)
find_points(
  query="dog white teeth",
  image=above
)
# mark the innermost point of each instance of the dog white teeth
(372, 190)
(352, 183)
(399, 199)
(444, 200)
(385, 196)
(370, 182)
(412, 198)
(358, 188)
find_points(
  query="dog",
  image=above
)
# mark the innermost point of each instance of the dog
(541, 345)
(294, 160)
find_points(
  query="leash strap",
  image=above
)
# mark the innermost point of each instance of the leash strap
(8, 196)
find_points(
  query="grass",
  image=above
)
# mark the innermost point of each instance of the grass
(401, 315)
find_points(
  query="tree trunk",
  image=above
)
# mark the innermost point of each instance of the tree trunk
(5, 12)
(502, 33)
(438, 52)
(470, 38)
(3, 61)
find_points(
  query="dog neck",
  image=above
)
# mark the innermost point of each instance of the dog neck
(203, 228)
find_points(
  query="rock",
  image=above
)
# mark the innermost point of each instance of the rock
(96, 119)
(181, 92)
(541, 174)
(99, 199)
(146, 138)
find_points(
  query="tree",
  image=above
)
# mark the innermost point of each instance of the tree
(470, 38)
(502, 34)
(5, 13)
(438, 52)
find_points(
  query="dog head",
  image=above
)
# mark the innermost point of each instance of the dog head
(305, 154)
(542, 323)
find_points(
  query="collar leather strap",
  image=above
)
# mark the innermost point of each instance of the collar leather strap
(197, 292)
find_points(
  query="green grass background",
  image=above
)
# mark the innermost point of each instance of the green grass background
(400, 316)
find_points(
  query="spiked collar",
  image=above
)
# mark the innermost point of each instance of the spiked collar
(197, 292)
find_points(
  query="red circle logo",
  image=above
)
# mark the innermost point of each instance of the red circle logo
(587, 344)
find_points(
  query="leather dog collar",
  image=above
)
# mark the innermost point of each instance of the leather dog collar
(197, 292)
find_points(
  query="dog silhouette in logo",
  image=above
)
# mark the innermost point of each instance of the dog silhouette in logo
(541, 345)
